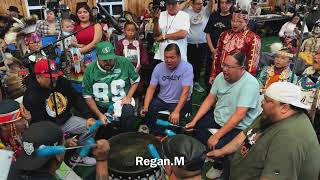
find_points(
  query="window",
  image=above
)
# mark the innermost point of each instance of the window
(114, 7)
(36, 2)
(38, 12)
(35, 7)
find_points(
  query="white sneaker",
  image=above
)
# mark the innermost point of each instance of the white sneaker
(83, 161)
(213, 173)
(144, 129)
(197, 87)
(209, 160)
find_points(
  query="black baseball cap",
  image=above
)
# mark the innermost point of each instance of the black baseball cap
(42, 133)
(180, 145)
(13, 8)
(173, 1)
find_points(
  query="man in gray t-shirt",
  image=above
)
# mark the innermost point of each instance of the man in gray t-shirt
(197, 43)
(175, 78)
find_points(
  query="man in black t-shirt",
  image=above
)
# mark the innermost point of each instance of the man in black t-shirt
(218, 22)
(45, 98)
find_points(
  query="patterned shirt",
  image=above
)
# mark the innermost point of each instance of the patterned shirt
(44, 29)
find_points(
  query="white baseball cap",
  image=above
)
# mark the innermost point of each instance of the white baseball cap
(286, 92)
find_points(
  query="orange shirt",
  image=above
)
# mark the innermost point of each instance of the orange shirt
(273, 79)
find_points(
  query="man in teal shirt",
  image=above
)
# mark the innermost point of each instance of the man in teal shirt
(235, 97)
(109, 80)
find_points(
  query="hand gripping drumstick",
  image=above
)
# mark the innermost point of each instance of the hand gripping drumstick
(167, 124)
(44, 151)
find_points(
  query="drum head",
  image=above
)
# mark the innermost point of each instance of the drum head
(125, 147)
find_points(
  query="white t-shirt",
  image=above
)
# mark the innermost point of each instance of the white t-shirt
(198, 22)
(288, 28)
(170, 24)
(255, 12)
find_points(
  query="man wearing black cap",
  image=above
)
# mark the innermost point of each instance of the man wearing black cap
(31, 166)
(14, 12)
(191, 150)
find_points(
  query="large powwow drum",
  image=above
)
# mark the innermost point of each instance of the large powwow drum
(124, 148)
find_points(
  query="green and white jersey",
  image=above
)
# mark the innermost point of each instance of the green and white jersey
(109, 87)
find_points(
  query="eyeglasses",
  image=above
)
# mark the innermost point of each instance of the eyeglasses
(226, 66)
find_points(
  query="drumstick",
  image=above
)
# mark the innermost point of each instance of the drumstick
(167, 124)
(170, 132)
(90, 131)
(84, 151)
(55, 150)
(154, 153)
(78, 147)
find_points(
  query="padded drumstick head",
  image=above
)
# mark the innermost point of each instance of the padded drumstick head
(95, 126)
(50, 150)
(84, 151)
(163, 123)
(169, 132)
(153, 151)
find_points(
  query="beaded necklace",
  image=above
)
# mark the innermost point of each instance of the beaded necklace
(304, 83)
(283, 76)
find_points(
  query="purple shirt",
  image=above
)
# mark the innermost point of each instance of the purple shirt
(172, 81)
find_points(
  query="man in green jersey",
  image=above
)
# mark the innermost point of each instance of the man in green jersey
(109, 83)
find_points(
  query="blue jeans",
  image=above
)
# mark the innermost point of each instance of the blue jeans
(157, 105)
(207, 122)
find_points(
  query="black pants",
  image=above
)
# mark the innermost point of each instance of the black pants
(157, 105)
(208, 70)
(206, 122)
(196, 55)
